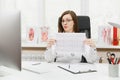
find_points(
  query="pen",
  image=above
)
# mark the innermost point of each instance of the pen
(112, 58)
(118, 61)
(109, 60)
(55, 59)
(109, 57)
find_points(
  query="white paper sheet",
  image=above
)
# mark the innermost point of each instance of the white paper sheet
(70, 43)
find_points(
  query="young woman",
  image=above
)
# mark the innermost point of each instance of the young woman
(68, 23)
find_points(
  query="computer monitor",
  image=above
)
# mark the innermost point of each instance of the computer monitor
(10, 39)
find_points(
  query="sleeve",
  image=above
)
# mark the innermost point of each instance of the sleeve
(49, 55)
(90, 54)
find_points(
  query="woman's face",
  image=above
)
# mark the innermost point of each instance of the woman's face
(67, 23)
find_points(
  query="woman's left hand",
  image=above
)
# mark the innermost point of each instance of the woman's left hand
(90, 42)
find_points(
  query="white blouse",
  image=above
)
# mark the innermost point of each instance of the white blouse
(89, 53)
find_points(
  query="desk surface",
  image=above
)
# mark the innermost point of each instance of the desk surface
(55, 73)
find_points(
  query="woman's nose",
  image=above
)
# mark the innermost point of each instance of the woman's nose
(65, 23)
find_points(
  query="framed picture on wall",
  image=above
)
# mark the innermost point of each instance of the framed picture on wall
(43, 36)
(32, 35)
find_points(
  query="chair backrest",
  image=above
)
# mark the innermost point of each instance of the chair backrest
(84, 25)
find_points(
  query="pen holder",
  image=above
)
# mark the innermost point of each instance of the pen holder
(113, 70)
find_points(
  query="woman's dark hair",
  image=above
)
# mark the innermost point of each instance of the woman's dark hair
(74, 18)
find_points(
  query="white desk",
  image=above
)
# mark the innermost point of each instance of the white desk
(55, 73)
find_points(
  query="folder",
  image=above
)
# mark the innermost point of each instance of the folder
(78, 68)
(115, 38)
(118, 36)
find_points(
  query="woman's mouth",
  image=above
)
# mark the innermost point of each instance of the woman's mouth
(65, 27)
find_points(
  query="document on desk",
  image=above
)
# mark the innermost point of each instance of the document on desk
(79, 68)
(70, 43)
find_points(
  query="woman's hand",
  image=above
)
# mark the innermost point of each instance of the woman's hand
(50, 42)
(90, 42)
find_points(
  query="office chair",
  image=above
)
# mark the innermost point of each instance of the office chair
(84, 25)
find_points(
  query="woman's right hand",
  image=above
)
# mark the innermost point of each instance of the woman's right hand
(50, 42)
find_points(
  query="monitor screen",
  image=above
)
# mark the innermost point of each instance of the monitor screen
(10, 39)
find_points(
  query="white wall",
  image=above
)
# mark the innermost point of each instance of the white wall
(54, 9)
(39, 13)
(32, 14)
(101, 12)
(7, 4)
(84, 7)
